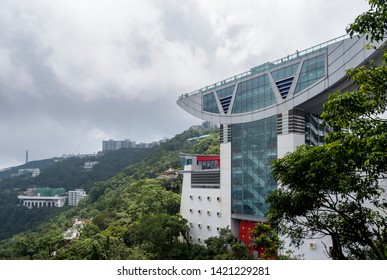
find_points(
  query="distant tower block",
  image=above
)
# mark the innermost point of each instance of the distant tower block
(26, 156)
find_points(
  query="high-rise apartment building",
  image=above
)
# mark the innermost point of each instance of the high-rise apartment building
(112, 145)
(75, 196)
(263, 114)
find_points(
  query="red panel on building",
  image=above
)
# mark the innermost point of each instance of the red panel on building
(245, 228)
(208, 158)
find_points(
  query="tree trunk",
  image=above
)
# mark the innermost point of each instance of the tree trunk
(336, 252)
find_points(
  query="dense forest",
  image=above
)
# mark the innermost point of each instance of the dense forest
(130, 212)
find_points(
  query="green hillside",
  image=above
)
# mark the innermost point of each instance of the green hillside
(133, 215)
(44, 163)
(66, 173)
(69, 172)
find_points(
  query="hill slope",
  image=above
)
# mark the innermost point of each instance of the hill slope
(139, 164)
(133, 215)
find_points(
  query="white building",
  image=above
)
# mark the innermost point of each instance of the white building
(202, 196)
(74, 197)
(88, 165)
(42, 201)
(33, 172)
(43, 197)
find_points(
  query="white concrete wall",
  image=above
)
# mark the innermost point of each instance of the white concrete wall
(311, 249)
(225, 184)
(288, 143)
(204, 208)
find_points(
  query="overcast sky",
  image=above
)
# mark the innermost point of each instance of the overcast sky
(74, 73)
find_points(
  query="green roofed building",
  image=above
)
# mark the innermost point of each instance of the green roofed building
(50, 192)
(43, 197)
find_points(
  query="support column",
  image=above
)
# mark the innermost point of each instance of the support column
(290, 131)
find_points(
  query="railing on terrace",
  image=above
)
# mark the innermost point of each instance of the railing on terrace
(269, 65)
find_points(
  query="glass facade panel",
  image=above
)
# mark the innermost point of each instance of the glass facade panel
(253, 94)
(315, 130)
(225, 96)
(209, 103)
(312, 70)
(225, 92)
(254, 147)
(285, 72)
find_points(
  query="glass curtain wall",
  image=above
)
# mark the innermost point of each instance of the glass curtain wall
(312, 70)
(209, 103)
(253, 94)
(254, 147)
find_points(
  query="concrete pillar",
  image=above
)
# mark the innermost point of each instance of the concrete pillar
(290, 131)
(225, 189)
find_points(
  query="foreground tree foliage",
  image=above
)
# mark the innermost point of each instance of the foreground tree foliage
(224, 247)
(336, 189)
(267, 239)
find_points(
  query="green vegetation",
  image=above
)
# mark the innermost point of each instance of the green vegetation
(69, 174)
(57, 173)
(335, 189)
(132, 215)
(44, 163)
(15, 219)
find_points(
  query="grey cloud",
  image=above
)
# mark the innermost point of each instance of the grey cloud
(186, 22)
(72, 76)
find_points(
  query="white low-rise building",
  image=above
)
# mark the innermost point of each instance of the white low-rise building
(43, 197)
(42, 201)
(33, 172)
(203, 201)
(88, 165)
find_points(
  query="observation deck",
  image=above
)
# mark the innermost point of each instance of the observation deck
(301, 80)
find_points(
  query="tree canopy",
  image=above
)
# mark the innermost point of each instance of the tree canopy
(337, 189)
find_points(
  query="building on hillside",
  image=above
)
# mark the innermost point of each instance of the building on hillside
(43, 197)
(198, 137)
(112, 145)
(75, 196)
(169, 174)
(263, 114)
(75, 231)
(88, 165)
(32, 172)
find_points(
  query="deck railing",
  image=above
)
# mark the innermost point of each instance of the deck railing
(269, 65)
